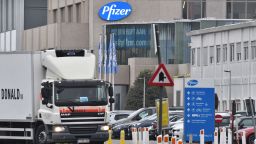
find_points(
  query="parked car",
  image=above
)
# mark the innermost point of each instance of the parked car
(249, 134)
(243, 122)
(136, 116)
(118, 115)
(145, 122)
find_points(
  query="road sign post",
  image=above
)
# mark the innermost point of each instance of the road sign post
(164, 78)
(199, 109)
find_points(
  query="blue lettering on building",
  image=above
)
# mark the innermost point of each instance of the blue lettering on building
(115, 11)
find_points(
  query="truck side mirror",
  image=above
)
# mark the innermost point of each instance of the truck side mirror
(45, 96)
(111, 100)
(110, 91)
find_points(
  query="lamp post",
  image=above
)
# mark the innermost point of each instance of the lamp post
(229, 98)
(144, 91)
(230, 105)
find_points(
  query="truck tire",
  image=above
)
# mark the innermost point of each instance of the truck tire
(41, 136)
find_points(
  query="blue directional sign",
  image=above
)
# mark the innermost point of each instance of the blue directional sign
(199, 109)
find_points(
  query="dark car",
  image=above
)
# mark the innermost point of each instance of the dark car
(145, 122)
(172, 119)
(124, 124)
(136, 116)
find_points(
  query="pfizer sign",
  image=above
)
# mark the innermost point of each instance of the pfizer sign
(115, 11)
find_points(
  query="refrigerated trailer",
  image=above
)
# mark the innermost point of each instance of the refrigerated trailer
(52, 96)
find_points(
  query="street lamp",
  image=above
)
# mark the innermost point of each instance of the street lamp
(230, 106)
(229, 98)
(144, 91)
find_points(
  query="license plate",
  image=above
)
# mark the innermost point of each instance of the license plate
(83, 141)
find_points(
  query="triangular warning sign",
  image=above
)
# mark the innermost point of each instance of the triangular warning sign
(161, 77)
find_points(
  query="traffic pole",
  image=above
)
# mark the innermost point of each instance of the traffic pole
(159, 139)
(229, 136)
(173, 140)
(180, 142)
(134, 136)
(122, 137)
(109, 137)
(216, 136)
(145, 136)
(166, 139)
(140, 136)
(202, 136)
(243, 138)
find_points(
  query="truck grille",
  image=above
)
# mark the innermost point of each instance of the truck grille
(82, 129)
(82, 118)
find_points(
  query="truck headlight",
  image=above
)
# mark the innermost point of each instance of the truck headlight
(104, 128)
(58, 129)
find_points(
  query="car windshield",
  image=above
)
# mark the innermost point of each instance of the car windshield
(80, 96)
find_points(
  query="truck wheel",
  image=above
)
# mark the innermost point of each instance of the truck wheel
(41, 136)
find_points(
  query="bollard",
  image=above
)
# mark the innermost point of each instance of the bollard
(134, 136)
(166, 139)
(122, 137)
(180, 142)
(221, 136)
(173, 140)
(159, 139)
(216, 137)
(243, 138)
(202, 136)
(140, 136)
(254, 141)
(229, 136)
(145, 139)
(109, 137)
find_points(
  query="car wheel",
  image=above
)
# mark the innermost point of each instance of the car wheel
(250, 139)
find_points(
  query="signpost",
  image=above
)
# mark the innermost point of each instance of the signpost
(161, 74)
(199, 109)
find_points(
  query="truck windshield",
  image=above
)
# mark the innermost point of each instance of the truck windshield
(80, 96)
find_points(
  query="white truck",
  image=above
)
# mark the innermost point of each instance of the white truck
(52, 96)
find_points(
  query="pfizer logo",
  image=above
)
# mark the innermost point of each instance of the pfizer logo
(192, 82)
(115, 11)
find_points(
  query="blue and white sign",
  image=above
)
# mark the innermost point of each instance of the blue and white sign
(199, 109)
(115, 11)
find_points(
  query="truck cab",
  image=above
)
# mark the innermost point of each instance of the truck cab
(74, 107)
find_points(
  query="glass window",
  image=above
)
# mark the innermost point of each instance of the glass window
(232, 52)
(55, 16)
(253, 47)
(238, 51)
(211, 54)
(121, 116)
(62, 13)
(194, 10)
(238, 10)
(198, 56)
(205, 56)
(70, 13)
(251, 10)
(193, 56)
(225, 52)
(218, 53)
(246, 50)
(229, 8)
(78, 12)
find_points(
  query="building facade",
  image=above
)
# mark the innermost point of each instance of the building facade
(224, 52)
(75, 24)
(17, 16)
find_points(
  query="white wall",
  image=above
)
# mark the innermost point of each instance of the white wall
(243, 72)
(8, 41)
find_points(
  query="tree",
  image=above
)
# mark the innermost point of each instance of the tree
(135, 93)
